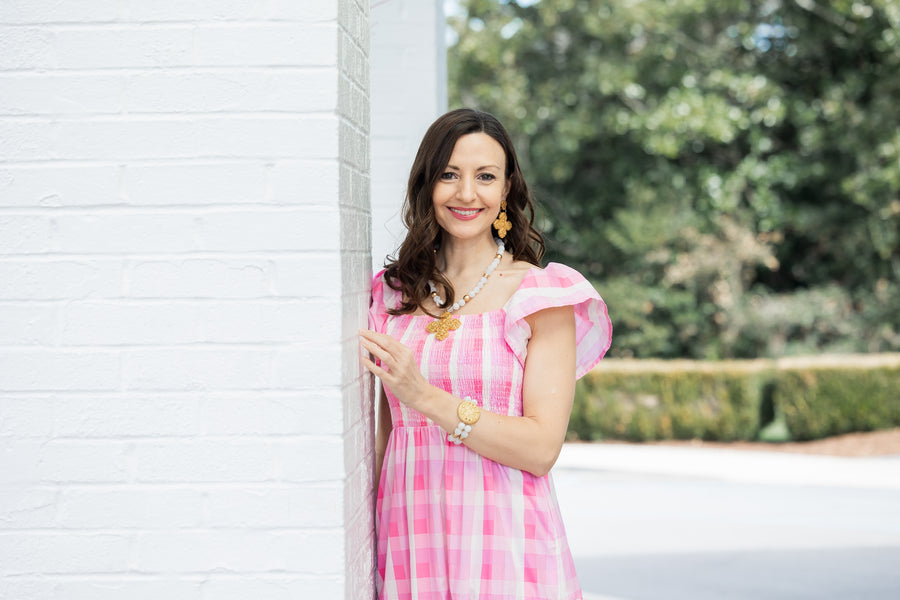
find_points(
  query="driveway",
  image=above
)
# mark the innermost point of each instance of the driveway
(663, 523)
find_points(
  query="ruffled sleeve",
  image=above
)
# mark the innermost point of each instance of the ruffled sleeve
(383, 297)
(558, 285)
(377, 310)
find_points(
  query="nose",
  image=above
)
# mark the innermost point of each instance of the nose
(466, 190)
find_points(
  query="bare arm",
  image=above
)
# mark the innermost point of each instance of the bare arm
(531, 442)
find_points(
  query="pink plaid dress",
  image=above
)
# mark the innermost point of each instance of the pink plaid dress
(450, 523)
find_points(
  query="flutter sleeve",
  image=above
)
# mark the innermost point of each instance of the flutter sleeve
(555, 286)
(377, 309)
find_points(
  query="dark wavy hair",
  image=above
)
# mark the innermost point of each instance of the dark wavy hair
(415, 262)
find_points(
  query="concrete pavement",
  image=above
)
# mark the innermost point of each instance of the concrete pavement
(675, 523)
(745, 466)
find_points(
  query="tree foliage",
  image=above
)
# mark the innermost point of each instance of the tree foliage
(727, 172)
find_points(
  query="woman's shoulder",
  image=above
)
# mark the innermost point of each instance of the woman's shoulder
(555, 286)
(516, 271)
(383, 295)
(554, 275)
(552, 286)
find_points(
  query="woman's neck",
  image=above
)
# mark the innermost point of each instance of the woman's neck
(459, 258)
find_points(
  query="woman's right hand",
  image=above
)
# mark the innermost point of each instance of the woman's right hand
(399, 371)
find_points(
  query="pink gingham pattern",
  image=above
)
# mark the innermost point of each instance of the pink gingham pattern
(450, 523)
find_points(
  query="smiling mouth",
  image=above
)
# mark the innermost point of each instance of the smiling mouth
(466, 213)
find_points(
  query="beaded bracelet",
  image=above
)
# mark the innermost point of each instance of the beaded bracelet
(468, 413)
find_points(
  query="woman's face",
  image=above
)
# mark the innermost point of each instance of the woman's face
(468, 193)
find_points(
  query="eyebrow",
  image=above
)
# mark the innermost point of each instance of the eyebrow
(478, 169)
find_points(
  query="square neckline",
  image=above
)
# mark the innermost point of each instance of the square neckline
(496, 310)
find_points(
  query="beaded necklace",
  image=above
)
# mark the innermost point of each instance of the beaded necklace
(443, 325)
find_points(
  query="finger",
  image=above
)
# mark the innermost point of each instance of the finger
(369, 334)
(377, 351)
(371, 337)
(382, 339)
(385, 348)
(374, 369)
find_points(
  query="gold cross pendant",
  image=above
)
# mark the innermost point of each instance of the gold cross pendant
(442, 326)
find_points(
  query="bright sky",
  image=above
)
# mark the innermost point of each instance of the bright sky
(453, 7)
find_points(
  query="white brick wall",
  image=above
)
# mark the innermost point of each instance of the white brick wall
(184, 263)
(409, 90)
(355, 226)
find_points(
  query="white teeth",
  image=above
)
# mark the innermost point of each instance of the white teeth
(465, 213)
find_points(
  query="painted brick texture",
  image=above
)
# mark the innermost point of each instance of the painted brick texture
(184, 263)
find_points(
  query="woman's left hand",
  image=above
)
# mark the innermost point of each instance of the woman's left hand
(398, 371)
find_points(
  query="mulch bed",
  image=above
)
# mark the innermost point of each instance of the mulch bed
(874, 443)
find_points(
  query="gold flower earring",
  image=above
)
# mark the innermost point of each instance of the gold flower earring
(501, 223)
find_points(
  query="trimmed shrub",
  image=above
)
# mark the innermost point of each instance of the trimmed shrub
(807, 398)
(658, 400)
(821, 401)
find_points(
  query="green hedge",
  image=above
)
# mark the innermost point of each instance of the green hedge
(822, 402)
(641, 400)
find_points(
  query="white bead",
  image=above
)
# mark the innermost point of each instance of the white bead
(464, 435)
(468, 428)
(501, 247)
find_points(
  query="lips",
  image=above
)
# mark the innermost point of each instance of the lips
(465, 213)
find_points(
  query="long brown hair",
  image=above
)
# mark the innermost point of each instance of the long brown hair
(415, 263)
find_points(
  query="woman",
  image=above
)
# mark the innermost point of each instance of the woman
(477, 349)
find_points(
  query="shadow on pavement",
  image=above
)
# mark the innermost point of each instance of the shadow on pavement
(843, 573)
